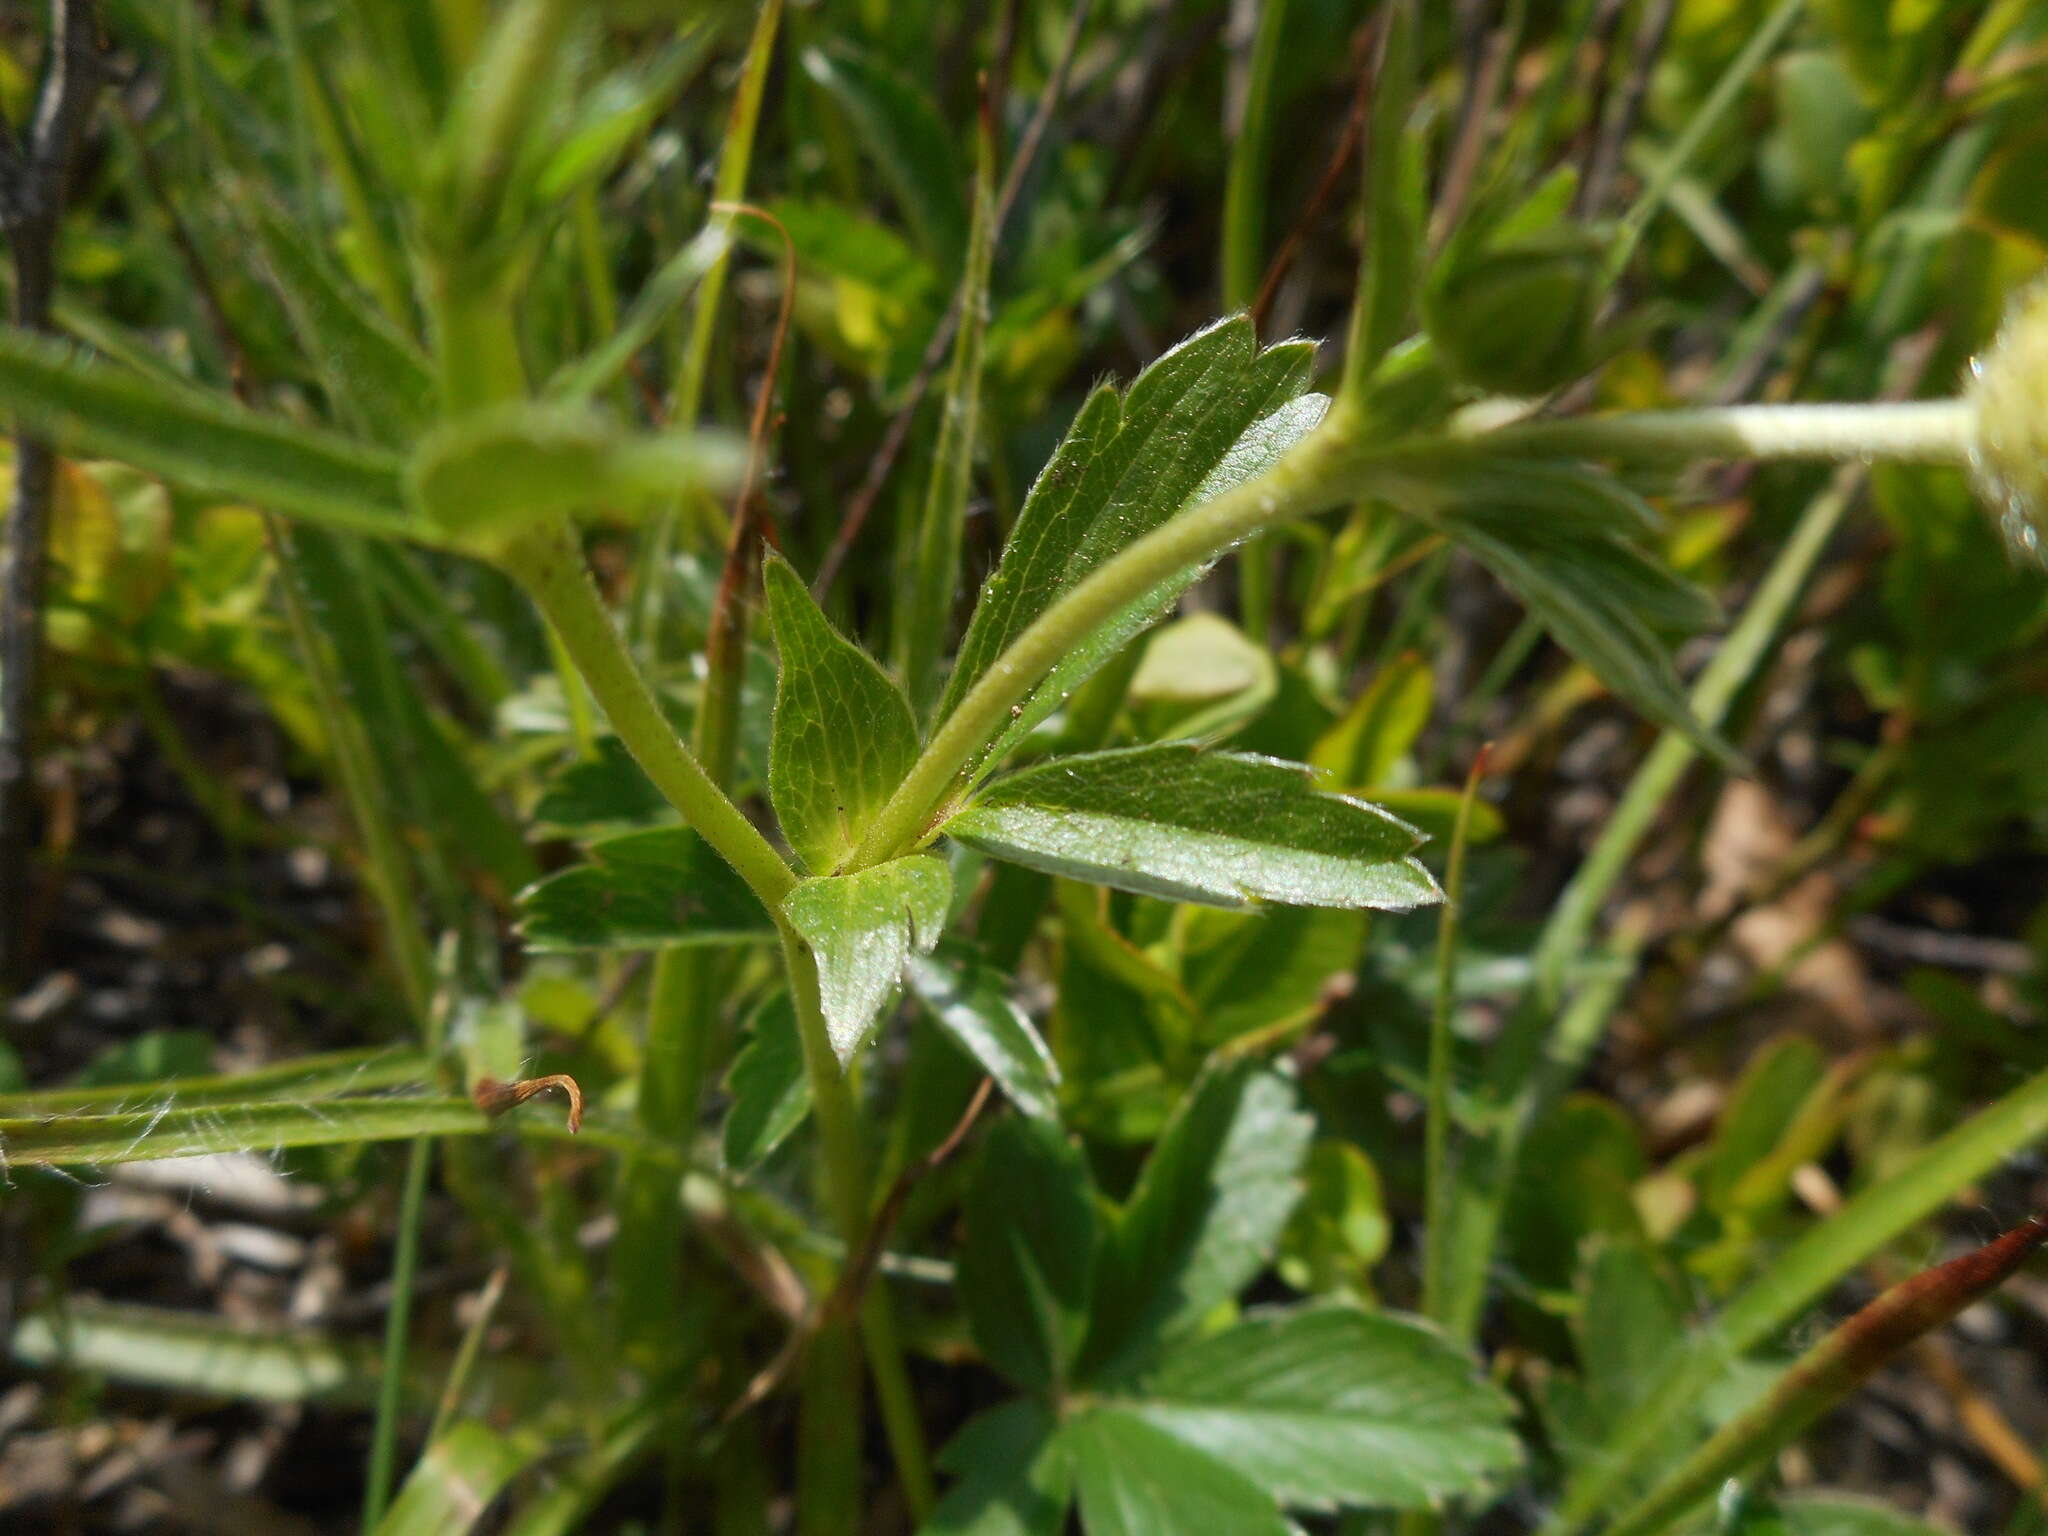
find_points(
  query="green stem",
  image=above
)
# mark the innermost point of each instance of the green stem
(846, 1190)
(551, 568)
(405, 1265)
(1437, 1125)
(1915, 432)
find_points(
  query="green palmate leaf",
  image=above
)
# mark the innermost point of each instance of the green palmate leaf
(910, 142)
(1014, 1477)
(371, 372)
(1221, 828)
(1631, 1314)
(1206, 1215)
(491, 473)
(770, 1094)
(1329, 1406)
(1137, 1480)
(971, 1002)
(1208, 415)
(609, 790)
(643, 890)
(863, 927)
(452, 1485)
(843, 735)
(201, 440)
(1028, 1263)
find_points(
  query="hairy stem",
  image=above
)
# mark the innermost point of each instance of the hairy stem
(551, 568)
(846, 1190)
(1917, 432)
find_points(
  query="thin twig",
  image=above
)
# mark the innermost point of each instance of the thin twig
(898, 430)
(33, 176)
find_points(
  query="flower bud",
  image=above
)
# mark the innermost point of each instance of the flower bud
(1517, 318)
(2009, 459)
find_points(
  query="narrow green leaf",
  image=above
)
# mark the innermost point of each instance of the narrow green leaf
(501, 469)
(200, 440)
(1827, 1372)
(769, 1091)
(1205, 1218)
(614, 113)
(658, 299)
(863, 927)
(452, 1485)
(69, 1140)
(1014, 1476)
(971, 1002)
(643, 890)
(1136, 1480)
(432, 787)
(1329, 1406)
(365, 365)
(908, 138)
(305, 1077)
(1027, 1264)
(201, 1355)
(931, 545)
(1395, 206)
(843, 736)
(564, 1508)
(1220, 828)
(1208, 415)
